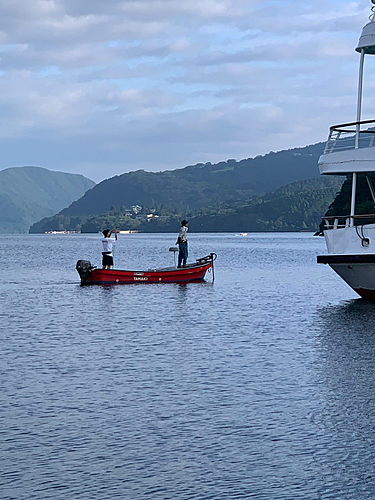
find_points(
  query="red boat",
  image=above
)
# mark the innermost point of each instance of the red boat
(90, 275)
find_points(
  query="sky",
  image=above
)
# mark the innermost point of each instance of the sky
(105, 87)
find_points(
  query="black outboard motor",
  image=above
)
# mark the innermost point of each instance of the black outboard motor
(84, 269)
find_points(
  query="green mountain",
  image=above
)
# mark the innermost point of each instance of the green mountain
(294, 207)
(364, 201)
(29, 193)
(191, 188)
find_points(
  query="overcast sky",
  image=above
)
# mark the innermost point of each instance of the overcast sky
(102, 87)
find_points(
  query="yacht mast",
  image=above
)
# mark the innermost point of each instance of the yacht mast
(358, 127)
(366, 45)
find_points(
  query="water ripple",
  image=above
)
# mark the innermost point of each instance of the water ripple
(259, 386)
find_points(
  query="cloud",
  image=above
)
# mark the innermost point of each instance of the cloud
(105, 87)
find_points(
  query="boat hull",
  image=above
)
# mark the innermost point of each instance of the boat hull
(119, 277)
(358, 271)
(192, 272)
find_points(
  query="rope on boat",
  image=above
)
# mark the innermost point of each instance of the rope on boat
(365, 241)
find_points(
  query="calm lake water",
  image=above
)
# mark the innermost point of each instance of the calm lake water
(259, 386)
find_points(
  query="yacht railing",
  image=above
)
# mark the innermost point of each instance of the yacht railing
(344, 137)
(339, 221)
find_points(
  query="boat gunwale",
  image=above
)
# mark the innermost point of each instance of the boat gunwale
(184, 270)
(365, 258)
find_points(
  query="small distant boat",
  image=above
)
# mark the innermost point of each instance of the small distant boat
(62, 232)
(90, 275)
(243, 234)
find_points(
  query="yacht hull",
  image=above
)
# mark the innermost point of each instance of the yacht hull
(358, 271)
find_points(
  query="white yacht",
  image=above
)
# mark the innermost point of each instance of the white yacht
(350, 151)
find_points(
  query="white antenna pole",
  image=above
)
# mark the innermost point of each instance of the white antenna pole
(359, 100)
(358, 128)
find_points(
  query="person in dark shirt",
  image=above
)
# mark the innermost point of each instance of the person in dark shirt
(182, 244)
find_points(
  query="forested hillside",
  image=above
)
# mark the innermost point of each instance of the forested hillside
(294, 207)
(364, 201)
(29, 193)
(197, 186)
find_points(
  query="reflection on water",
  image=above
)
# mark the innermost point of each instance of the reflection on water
(260, 385)
(345, 375)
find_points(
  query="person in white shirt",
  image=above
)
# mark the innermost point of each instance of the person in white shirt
(182, 244)
(108, 243)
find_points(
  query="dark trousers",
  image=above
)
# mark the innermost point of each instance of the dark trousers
(183, 253)
(107, 260)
